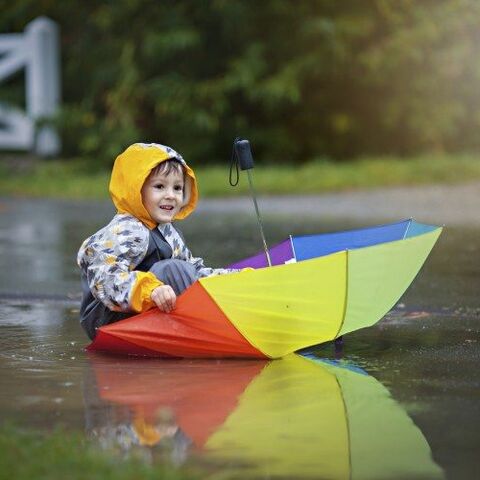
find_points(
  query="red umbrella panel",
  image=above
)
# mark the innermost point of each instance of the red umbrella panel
(320, 287)
(288, 418)
(196, 397)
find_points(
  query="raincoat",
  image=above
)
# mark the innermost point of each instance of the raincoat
(116, 260)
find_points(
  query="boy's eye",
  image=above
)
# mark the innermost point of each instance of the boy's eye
(178, 188)
(158, 185)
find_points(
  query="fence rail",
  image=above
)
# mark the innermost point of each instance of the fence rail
(37, 51)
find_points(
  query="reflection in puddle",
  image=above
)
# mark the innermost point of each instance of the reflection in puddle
(294, 417)
(426, 352)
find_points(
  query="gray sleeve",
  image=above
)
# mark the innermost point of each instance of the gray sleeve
(204, 271)
(197, 262)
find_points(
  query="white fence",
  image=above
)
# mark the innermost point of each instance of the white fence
(37, 51)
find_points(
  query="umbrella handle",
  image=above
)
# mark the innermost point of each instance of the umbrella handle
(339, 344)
(242, 154)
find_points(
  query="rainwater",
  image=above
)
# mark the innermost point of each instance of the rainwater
(398, 400)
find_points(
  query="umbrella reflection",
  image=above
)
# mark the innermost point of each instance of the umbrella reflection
(293, 417)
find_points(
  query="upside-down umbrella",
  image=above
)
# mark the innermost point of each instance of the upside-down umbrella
(319, 287)
(290, 418)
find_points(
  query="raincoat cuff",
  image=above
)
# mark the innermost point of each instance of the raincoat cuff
(145, 283)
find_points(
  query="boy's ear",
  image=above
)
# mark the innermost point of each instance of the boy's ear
(187, 191)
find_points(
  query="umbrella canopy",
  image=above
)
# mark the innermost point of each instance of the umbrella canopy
(294, 417)
(319, 287)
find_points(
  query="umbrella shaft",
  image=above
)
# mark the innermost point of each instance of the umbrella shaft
(254, 197)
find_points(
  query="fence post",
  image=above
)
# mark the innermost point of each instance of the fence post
(43, 83)
(16, 130)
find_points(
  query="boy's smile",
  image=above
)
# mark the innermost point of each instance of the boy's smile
(162, 195)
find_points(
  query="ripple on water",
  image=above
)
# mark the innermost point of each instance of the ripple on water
(39, 336)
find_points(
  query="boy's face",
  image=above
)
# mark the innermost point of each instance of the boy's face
(162, 195)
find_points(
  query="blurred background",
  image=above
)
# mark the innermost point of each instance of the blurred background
(303, 80)
(333, 95)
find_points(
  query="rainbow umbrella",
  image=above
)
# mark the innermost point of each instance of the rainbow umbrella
(318, 288)
(289, 418)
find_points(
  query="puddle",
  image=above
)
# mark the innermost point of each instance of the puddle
(399, 400)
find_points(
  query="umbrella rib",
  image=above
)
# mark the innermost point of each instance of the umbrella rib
(408, 227)
(347, 251)
(293, 248)
(347, 420)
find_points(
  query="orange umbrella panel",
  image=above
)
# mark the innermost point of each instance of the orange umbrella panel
(330, 285)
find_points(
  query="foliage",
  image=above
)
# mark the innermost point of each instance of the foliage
(73, 179)
(25, 454)
(299, 79)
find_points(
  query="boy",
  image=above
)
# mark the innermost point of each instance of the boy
(139, 260)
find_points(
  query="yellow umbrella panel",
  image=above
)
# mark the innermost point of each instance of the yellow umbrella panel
(295, 417)
(320, 287)
(288, 307)
(303, 418)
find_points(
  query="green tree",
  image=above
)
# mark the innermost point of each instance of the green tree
(302, 79)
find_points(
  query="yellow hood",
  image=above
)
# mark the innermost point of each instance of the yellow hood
(130, 170)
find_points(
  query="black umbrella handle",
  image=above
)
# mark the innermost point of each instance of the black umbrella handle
(241, 156)
(243, 153)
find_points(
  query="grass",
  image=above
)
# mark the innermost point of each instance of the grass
(27, 455)
(71, 179)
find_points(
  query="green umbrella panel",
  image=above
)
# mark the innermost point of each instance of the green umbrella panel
(306, 419)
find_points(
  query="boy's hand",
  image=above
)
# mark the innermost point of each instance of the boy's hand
(164, 298)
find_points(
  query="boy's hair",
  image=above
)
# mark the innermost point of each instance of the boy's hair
(169, 166)
(174, 165)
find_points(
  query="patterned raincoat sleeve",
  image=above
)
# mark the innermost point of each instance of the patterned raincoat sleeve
(108, 259)
(180, 250)
(204, 271)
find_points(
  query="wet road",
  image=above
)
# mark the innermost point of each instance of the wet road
(404, 391)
